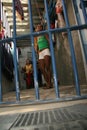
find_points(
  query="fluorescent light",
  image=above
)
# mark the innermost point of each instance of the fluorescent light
(20, 30)
(19, 23)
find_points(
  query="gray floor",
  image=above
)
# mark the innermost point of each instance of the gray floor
(55, 116)
(45, 94)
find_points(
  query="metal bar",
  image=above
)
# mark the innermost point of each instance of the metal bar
(31, 102)
(15, 55)
(75, 27)
(77, 85)
(0, 77)
(84, 11)
(33, 52)
(6, 40)
(81, 37)
(0, 62)
(52, 52)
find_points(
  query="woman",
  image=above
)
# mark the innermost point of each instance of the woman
(44, 59)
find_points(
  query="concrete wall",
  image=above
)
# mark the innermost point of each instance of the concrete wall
(63, 55)
(25, 53)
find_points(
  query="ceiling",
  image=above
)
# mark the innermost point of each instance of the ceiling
(23, 26)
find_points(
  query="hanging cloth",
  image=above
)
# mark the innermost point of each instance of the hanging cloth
(19, 9)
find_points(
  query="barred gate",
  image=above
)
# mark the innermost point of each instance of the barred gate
(68, 28)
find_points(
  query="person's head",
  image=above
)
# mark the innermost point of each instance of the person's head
(39, 27)
(27, 61)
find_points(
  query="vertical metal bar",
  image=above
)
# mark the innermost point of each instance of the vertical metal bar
(81, 36)
(52, 52)
(77, 85)
(33, 51)
(15, 55)
(0, 12)
(0, 76)
(84, 11)
(0, 62)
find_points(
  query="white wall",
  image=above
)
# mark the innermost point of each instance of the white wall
(22, 61)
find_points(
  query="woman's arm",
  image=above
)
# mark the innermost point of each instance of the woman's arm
(35, 44)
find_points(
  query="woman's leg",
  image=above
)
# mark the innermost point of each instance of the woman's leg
(42, 68)
(47, 62)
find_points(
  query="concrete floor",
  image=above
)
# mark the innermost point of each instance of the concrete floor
(30, 94)
(71, 115)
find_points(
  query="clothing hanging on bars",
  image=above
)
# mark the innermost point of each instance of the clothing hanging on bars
(7, 63)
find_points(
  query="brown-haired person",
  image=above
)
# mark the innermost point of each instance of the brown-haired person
(44, 57)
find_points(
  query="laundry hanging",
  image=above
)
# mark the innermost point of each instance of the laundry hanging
(7, 65)
(19, 9)
(60, 16)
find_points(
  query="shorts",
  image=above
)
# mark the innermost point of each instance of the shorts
(43, 53)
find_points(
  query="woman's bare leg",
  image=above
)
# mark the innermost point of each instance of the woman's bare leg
(47, 60)
(42, 68)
